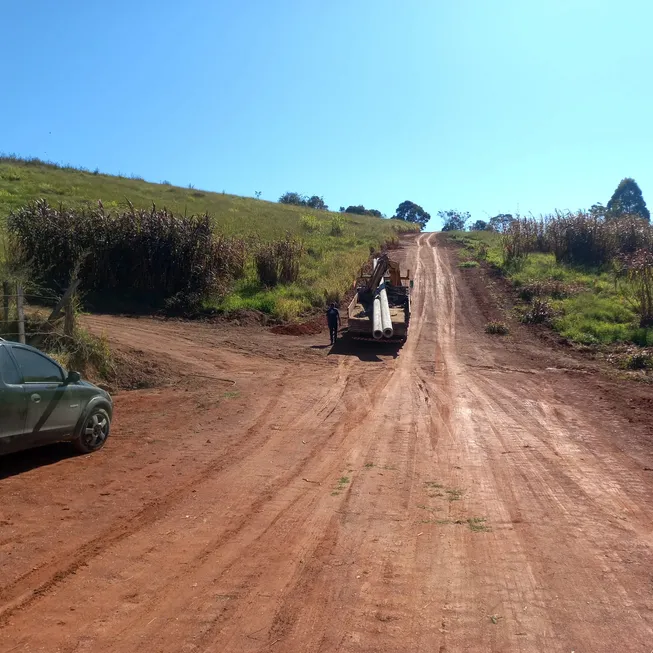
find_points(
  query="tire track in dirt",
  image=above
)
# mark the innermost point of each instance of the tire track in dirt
(495, 465)
(157, 509)
(334, 395)
(39, 581)
(361, 416)
(385, 430)
(346, 432)
(482, 510)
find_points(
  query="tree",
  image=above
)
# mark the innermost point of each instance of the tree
(411, 212)
(293, 198)
(628, 200)
(598, 211)
(479, 225)
(500, 222)
(453, 220)
(358, 210)
(316, 202)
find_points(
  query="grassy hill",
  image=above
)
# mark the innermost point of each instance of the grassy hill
(336, 245)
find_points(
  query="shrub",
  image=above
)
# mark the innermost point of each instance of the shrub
(139, 256)
(337, 225)
(540, 312)
(640, 360)
(547, 288)
(293, 198)
(468, 264)
(10, 174)
(332, 296)
(309, 223)
(288, 309)
(497, 328)
(579, 239)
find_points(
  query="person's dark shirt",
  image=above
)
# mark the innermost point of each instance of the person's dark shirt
(332, 316)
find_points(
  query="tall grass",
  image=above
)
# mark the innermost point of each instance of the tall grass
(150, 257)
(278, 262)
(580, 238)
(639, 272)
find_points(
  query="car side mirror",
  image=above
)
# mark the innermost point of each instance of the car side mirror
(73, 377)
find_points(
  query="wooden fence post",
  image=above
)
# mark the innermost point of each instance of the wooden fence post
(21, 312)
(63, 302)
(6, 291)
(69, 318)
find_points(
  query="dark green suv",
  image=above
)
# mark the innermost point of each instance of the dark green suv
(41, 403)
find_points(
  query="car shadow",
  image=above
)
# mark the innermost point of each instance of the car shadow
(21, 462)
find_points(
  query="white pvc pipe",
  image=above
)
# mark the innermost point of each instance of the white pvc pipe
(386, 321)
(377, 328)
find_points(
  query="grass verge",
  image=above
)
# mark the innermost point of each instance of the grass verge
(587, 306)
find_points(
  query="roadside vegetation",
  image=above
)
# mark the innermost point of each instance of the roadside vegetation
(182, 250)
(63, 337)
(588, 275)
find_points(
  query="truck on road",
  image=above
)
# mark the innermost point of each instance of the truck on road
(380, 309)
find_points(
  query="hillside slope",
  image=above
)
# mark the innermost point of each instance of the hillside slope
(336, 244)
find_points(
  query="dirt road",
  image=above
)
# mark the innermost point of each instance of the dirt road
(471, 493)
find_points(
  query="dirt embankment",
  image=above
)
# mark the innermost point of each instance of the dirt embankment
(465, 493)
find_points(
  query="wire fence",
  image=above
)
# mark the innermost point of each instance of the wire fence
(32, 296)
(7, 335)
(28, 315)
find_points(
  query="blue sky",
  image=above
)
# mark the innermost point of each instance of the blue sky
(482, 105)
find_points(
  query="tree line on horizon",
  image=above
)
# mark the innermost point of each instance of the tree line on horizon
(407, 210)
(627, 200)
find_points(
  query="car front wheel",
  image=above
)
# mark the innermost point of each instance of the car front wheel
(95, 431)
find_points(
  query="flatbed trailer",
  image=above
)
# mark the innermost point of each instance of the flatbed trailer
(397, 290)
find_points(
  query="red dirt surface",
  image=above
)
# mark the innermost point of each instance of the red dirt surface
(308, 328)
(463, 493)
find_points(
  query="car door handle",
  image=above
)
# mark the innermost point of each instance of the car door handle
(36, 398)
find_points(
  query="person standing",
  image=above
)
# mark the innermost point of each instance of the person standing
(333, 320)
